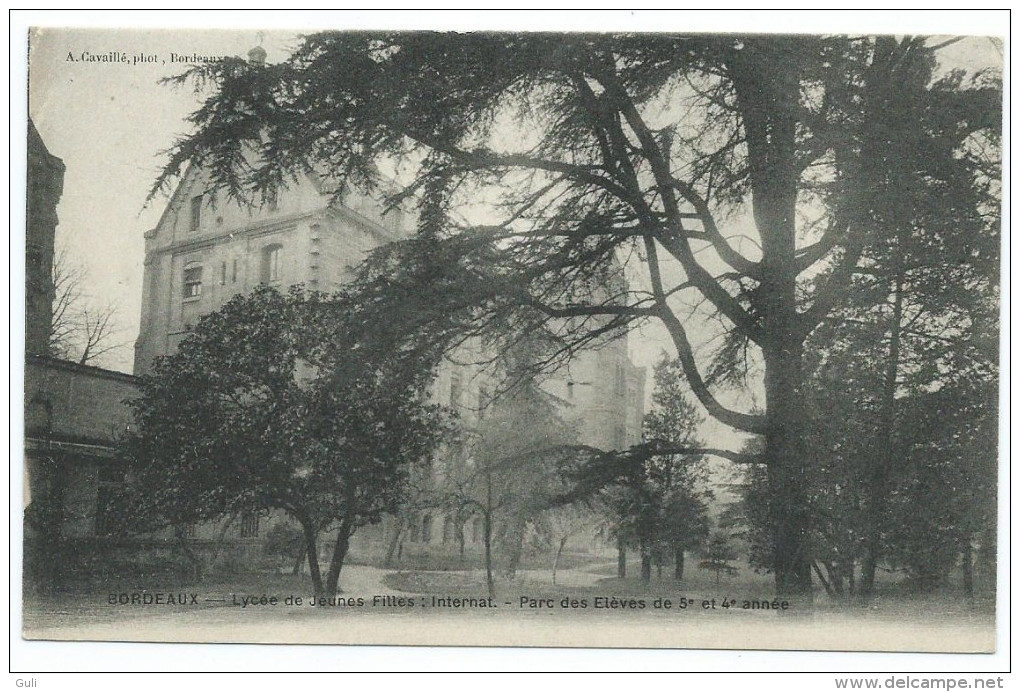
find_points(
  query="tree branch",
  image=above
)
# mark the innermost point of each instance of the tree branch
(678, 245)
(727, 252)
(741, 421)
(812, 253)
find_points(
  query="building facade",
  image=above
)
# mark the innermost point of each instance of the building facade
(205, 250)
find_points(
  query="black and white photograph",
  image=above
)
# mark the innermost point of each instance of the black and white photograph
(614, 339)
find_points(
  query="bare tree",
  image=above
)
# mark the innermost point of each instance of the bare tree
(67, 281)
(562, 523)
(83, 329)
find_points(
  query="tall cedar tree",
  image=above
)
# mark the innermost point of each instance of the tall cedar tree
(589, 148)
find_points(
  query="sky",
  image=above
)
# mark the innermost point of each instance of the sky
(109, 122)
(95, 97)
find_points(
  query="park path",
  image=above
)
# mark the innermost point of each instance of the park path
(421, 625)
(359, 580)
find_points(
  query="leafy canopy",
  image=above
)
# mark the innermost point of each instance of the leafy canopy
(282, 401)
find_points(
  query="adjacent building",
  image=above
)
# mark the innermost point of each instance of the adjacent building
(74, 413)
(45, 178)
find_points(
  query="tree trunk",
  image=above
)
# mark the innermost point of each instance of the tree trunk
(182, 541)
(394, 542)
(987, 557)
(835, 577)
(790, 526)
(678, 563)
(967, 563)
(556, 560)
(512, 544)
(621, 559)
(821, 578)
(878, 480)
(785, 458)
(312, 549)
(766, 82)
(336, 563)
(646, 563)
(220, 536)
(489, 582)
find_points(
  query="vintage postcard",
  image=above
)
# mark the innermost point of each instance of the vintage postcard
(546, 339)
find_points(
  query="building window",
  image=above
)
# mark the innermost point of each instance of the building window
(621, 380)
(233, 272)
(196, 213)
(570, 390)
(456, 388)
(192, 280)
(250, 526)
(223, 273)
(271, 264)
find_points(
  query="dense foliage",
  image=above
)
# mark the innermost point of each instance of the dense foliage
(282, 402)
(769, 191)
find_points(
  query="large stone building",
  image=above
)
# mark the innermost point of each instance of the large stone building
(205, 250)
(202, 253)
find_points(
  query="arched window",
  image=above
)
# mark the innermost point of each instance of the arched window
(271, 263)
(192, 280)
